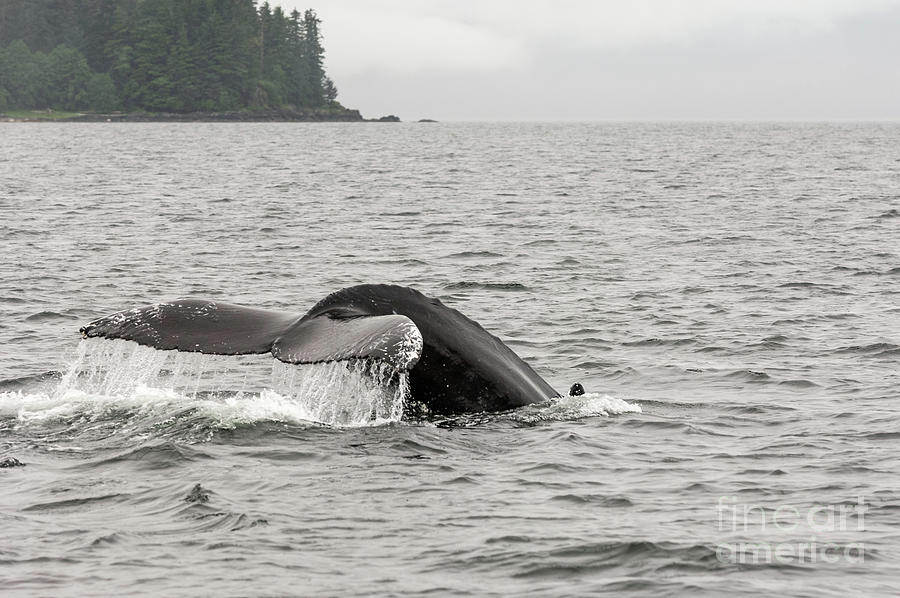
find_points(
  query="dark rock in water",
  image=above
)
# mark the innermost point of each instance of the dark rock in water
(427, 120)
(197, 494)
(11, 462)
(390, 118)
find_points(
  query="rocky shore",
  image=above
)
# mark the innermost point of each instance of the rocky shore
(278, 115)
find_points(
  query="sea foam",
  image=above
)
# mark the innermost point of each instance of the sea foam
(106, 376)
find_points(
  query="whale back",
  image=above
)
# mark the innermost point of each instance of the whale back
(462, 367)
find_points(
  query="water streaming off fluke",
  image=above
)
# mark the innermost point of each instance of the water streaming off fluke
(229, 390)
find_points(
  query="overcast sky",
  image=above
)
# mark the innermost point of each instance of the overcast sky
(614, 60)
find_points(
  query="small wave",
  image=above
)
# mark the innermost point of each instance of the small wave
(749, 375)
(74, 504)
(798, 285)
(774, 342)
(750, 409)
(892, 213)
(594, 364)
(798, 383)
(873, 349)
(29, 381)
(626, 372)
(496, 286)
(47, 316)
(594, 500)
(828, 289)
(659, 342)
(540, 242)
(153, 455)
(407, 262)
(473, 254)
(585, 558)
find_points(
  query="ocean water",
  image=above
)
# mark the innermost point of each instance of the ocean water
(726, 293)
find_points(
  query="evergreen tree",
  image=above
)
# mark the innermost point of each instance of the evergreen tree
(152, 39)
(329, 91)
(160, 55)
(22, 76)
(96, 19)
(66, 78)
(100, 93)
(313, 56)
(296, 71)
(120, 52)
(180, 70)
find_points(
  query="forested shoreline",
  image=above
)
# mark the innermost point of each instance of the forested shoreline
(177, 57)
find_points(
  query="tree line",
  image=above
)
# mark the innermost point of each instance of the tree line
(160, 56)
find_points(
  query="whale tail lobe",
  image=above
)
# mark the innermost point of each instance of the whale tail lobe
(224, 329)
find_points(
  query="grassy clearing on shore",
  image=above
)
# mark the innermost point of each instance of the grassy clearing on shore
(38, 114)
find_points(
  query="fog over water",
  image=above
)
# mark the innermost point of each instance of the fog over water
(580, 60)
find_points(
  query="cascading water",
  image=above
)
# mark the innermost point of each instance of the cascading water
(344, 393)
(235, 388)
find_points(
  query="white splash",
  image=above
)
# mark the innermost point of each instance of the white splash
(590, 405)
(229, 390)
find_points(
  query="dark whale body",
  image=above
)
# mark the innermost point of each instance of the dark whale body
(454, 365)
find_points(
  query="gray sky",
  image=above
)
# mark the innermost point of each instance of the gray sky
(614, 60)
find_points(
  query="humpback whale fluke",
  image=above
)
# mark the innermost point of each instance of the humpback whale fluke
(454, 364)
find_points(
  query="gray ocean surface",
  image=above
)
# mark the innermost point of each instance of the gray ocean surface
(728, 294)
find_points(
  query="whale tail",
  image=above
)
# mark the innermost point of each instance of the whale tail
(224, 329)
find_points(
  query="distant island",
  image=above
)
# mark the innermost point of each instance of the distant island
(174, 60)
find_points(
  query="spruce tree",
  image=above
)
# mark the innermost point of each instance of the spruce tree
(313, 58)
(160, 55)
